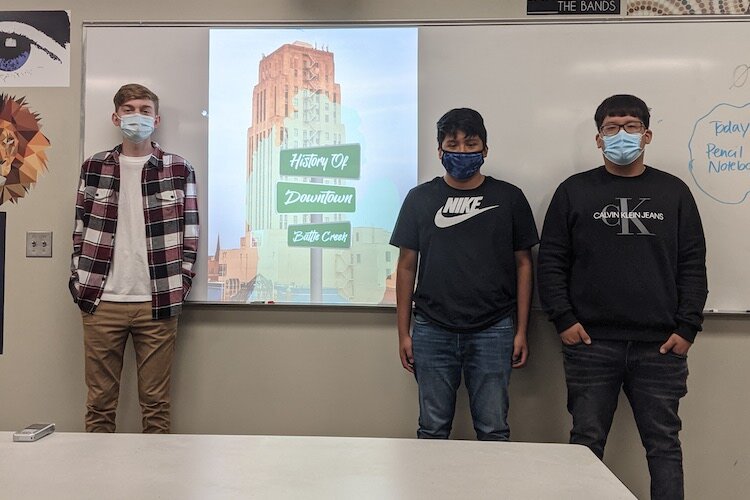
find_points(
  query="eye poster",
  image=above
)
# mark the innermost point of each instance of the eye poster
(35, 48)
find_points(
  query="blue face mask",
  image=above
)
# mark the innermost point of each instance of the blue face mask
(136, 128)
(462, 166)
(622, 148)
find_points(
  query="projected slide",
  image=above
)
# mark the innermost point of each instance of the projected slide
(312, 148)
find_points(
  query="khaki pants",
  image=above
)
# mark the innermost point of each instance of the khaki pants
(104, 336)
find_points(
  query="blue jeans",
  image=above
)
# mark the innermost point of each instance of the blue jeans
(653, 383)
(485, 359)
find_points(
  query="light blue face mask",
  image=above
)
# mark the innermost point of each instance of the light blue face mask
(462, 166)
(622, 148)
(136, 128)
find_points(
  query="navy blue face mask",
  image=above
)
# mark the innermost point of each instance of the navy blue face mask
(462, 166)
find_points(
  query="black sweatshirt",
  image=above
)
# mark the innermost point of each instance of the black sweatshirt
(624, 256)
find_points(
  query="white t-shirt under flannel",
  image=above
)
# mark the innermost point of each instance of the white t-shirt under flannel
(128, 279)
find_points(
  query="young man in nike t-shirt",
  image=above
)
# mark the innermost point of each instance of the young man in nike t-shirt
(622, 275)
(465, 238)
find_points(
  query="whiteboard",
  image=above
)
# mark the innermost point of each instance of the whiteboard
(537, 85)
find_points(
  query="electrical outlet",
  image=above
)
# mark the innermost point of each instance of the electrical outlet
(39, 244)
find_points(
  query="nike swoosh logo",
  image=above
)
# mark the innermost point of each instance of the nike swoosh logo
(442, 221)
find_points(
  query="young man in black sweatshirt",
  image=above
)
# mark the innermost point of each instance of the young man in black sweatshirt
(622, 275)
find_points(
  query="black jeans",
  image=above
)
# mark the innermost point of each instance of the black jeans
(653, 383)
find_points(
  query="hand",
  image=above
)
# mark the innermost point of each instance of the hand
(575, 335)
(404, 349)
(676, 344)
(520, 351)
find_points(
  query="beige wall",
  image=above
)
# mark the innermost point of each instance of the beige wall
(282, 371)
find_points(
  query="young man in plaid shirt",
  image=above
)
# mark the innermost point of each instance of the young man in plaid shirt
(134, 246)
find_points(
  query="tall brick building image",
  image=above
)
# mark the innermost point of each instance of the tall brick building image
(296, 104)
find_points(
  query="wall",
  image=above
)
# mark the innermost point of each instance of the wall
(276, 371)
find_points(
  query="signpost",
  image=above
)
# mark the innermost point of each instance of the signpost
(341, 161)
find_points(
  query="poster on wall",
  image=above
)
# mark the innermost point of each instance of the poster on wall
(311, 151)
(2, 278)
(23, 148)
(35, 48)
(686, 7)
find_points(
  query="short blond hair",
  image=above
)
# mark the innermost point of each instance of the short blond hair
(132, 91)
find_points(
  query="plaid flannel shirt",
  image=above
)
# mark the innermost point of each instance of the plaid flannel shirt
(170, 208)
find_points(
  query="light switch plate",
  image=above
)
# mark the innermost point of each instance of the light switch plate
(39, 244)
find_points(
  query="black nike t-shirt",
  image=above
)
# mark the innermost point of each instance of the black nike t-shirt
(466, 239)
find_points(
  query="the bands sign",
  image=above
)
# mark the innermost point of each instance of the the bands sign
(574, 7)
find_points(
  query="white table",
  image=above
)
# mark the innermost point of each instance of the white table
(135, 466)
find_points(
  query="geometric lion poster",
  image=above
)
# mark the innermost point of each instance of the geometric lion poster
(22, 148)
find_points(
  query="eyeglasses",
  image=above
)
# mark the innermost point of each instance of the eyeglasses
(630, 127)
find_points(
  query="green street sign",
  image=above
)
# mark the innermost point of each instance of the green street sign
(295, 198)
(341, 161)
(329, 235)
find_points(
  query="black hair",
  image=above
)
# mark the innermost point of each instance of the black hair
(622, 105)
(466, 120)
